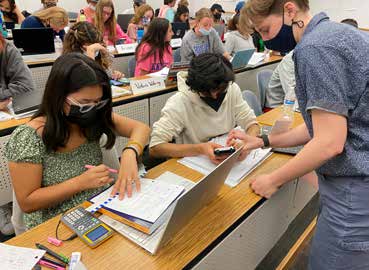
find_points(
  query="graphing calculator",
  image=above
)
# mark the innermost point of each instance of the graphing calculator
(90, 229)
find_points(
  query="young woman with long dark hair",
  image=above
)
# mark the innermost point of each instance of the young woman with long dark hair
(64, 135)
(154, 52)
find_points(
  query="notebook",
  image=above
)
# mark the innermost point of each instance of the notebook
(143, 210)
(239, 171)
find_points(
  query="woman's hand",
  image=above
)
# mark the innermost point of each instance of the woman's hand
(128, 174)
(117, 75)
(95, 177)
(93, 49)
(4, 104)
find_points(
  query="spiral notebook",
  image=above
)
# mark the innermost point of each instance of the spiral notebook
(144, 210)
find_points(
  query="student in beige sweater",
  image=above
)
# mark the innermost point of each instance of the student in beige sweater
(208, 104)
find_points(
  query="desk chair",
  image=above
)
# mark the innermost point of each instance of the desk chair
(253, 101)
(110, 158)
(177, 56)
(262, 79)
(131, 67)
(123, 20)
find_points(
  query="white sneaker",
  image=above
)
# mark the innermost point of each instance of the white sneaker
(6, 226)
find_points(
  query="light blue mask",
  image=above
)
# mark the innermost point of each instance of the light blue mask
(204, 32)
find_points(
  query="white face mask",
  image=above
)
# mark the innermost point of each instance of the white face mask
(92, 7)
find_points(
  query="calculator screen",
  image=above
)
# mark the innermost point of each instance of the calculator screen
(97, 233)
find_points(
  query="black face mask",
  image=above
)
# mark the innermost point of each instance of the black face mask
(217, 16)
(215, 104)
(284, 41)
(84, 120)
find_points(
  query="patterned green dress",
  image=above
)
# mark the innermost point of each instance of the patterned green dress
(26, 146)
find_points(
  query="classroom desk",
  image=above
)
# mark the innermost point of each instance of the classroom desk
(200, 242)
(269, 118)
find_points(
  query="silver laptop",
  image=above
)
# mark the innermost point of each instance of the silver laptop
(242, 58)
(182, 211)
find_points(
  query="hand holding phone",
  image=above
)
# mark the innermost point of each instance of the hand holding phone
(224, 151)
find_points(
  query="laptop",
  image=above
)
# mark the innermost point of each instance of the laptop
(181, 211)
(123, 20)
(242, 58)
(27, 102)
(34, 40)
(179, 29)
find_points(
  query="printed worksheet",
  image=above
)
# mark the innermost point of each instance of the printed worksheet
(19, 258)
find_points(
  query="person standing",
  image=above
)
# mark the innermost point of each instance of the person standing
(332, 89)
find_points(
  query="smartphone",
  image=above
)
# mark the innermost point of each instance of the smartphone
(116, 83)
(224, 151)
(124, 81)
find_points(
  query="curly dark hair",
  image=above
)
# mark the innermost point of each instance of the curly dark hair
(209, 72)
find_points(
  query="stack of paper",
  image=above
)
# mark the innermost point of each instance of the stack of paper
(203, 164)
(19, 258)
(256, 59)
(162, 73)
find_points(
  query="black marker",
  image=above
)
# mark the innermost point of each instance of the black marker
(60, 257)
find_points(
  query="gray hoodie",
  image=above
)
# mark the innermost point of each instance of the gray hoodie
(15, 76)
(194, 45)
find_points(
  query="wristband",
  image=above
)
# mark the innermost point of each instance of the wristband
(134, 150)
(132, 143)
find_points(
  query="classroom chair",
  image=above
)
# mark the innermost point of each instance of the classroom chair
(253, 101)
(262, 79)
(177, 56)
(131, 67)
(110, 159)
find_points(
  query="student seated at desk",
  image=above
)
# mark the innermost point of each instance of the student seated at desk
(237, 39)
(11, 12)
(203, 38)
(182, 15)
(106, 22)
(54, 17)
(89, 11)
(140, 21)
(207, 105)
(136, 5)
(282, 83)
(15, 76)
(154, 52)
(47, 156)
(166, 11)
(83, 37)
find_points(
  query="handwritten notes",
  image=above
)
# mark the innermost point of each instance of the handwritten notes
(19, 258)
(147, 85)
(126, 48)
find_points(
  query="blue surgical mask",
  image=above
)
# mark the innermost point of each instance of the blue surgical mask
(204, 32)
(284, 41)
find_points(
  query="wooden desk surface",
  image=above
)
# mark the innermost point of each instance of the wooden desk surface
(210, 223)
(269, 118)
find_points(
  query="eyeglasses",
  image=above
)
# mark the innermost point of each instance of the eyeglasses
(84, 108)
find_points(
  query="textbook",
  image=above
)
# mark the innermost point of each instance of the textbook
(144, 211)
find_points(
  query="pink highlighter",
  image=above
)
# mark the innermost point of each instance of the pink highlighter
(109, 169)
(50, 265)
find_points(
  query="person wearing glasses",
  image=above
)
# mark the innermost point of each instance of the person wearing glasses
(64, 136)
(208, 104)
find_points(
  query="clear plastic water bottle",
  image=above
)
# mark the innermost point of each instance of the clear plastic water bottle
(284, 122)
(58, 45)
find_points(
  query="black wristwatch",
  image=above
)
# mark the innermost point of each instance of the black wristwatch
(265, 139)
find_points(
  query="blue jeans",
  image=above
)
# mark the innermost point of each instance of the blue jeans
(341, 239)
